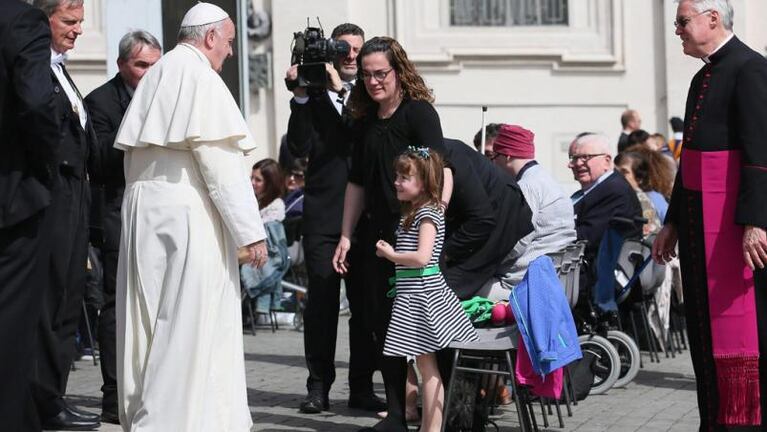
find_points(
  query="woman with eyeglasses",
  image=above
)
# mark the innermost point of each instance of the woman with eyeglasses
(393, 109)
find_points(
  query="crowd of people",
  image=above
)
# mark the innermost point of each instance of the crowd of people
(148, 168)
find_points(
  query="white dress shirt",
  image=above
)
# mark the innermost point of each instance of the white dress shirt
(57, 60)
(338, 100)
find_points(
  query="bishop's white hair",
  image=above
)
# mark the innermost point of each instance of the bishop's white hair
(724, 7)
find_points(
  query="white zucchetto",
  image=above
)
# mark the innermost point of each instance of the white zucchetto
(202, 14)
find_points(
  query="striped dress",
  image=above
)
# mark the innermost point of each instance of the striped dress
(426, 315)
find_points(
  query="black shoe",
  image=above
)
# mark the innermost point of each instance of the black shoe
(386, 425)
(80, 414)
(110, 417)
(67, 421)
(367, 402)
(314, 404)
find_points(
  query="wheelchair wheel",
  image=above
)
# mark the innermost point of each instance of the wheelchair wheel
(607, 362)
(628, 351)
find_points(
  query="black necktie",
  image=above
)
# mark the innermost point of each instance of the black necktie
(71, 83)
(341, 96)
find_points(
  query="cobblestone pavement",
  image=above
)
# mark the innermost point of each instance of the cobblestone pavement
(661, 398)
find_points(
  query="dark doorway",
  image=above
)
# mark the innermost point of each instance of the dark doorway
(173, 12)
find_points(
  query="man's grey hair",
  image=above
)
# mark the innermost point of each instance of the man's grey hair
(133, 39)
(49, 6)
(196, 34)
(724, 7)
(601, 142)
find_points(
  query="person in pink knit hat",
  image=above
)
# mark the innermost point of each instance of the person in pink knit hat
(553, 221)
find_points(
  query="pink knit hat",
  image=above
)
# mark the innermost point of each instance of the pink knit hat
(515, 141)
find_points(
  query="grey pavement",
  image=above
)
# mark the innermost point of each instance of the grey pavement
(661, 398)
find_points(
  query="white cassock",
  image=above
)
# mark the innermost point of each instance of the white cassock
(188, 206)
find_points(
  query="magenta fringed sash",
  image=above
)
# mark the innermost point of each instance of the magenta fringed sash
(730, 284)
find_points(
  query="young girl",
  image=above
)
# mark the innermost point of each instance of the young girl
(426, 315)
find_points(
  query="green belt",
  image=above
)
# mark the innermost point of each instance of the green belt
(410, 273)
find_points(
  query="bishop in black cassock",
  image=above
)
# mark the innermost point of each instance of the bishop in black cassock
(718, 212)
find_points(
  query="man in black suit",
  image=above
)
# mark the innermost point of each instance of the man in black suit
(319, 128)
(486, 217)
(630, 121)
(62, 301)
(604, 195)
(29, 137)
(138, 51)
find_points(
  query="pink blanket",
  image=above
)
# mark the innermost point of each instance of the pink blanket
(549, 386)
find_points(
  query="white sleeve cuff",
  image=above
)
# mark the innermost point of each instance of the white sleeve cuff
(301, 99)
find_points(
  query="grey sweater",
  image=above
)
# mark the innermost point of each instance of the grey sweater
(553, 222)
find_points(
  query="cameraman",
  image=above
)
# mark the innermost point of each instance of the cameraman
(320, 129)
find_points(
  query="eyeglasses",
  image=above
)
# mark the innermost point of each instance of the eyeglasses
(681, 22)
(493, 155)
(585, 158)
(378, 75)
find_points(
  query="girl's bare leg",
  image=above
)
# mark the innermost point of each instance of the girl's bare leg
(433, 393)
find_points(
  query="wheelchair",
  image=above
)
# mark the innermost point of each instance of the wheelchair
(624, 276)
(636, 269)
(597, 349)
(633, 279)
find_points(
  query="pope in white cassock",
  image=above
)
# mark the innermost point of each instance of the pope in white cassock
(188, 207)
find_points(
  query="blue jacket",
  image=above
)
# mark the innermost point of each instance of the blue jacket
(544, 318)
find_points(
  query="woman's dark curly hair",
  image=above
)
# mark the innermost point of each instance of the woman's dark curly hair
(412, 84)
(650, 168)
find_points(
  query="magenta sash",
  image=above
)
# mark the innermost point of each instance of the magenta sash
(731, 299)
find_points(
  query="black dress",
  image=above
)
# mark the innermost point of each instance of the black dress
(414, 123)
